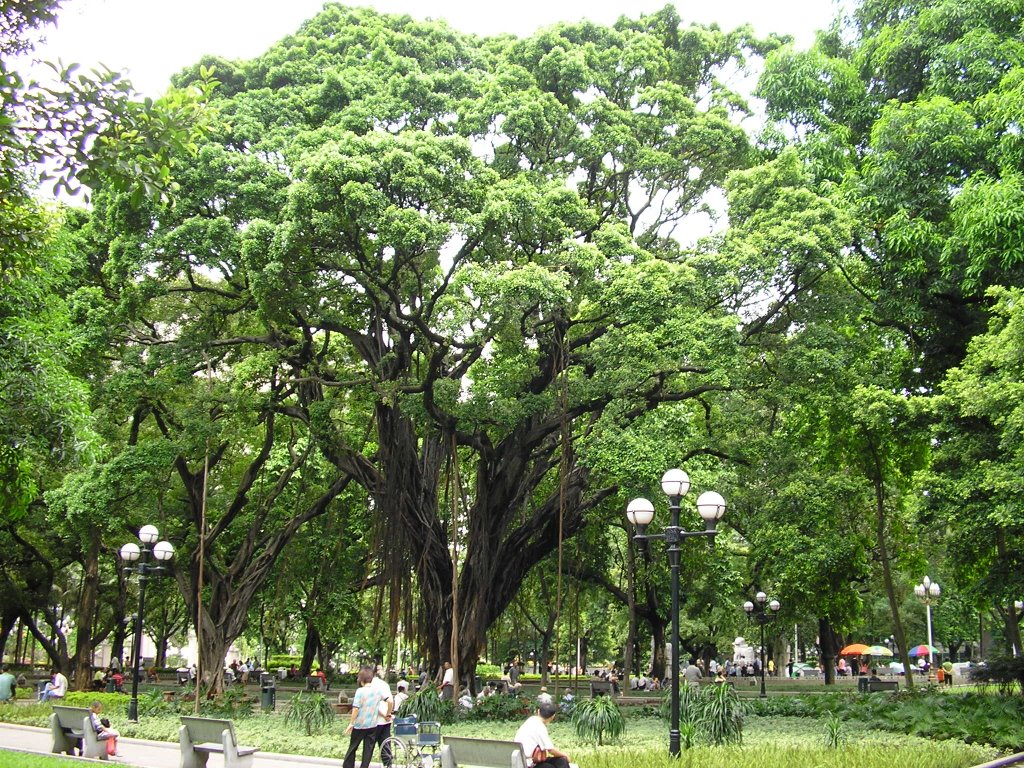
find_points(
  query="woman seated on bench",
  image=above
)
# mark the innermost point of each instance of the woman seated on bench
(102, 727)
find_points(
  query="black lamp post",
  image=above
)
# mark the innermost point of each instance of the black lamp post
(130, 553)
(640, 512)
(756, 612)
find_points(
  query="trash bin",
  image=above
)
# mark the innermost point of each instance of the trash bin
(111, 688)
(268, 692)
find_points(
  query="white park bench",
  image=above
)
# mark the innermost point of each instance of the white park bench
(201, 736)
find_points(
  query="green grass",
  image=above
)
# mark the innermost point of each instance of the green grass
(793, 742)
(24, 760)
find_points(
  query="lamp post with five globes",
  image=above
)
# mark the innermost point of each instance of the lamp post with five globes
(640, 512)
(928, 592)
(130, 553)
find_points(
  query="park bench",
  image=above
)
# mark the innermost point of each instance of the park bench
(462, 752)
(601, 688)
(183, 676)
(314, 683)
(72, 729)
(202, 736)
(875, 686)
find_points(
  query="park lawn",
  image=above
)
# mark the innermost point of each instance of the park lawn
(796, 742)
(26, 760)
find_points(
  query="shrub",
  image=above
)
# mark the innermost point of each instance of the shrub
(1006, 673)
(426, 704)
(234, 703)
(312, 711)
(499, 707)
(283, 660)
(488, 671)
(112, 702)
(598, 718)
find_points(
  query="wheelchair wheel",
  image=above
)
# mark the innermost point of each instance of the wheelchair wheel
(401, 755)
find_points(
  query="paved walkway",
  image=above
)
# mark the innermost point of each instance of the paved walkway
(148, 754)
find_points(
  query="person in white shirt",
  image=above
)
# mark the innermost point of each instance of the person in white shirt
(56, 688)
(402, 695)
(448, 683)
(384, 716)
(536, 742)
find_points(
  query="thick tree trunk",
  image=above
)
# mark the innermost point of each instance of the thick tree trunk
(829, 645)
(8, 618)
(659, 659)
(310, 649)
(1011, 627)
(86, 611)
(120, 609)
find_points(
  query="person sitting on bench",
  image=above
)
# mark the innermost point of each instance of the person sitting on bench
(537, 745)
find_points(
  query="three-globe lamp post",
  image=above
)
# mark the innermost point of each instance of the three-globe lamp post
(640, 512)
(132, 553)
(757, 611)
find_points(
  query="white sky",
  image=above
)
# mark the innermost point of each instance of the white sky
(152, 39)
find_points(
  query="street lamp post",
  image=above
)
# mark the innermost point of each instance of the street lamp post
(1018, 607)
(640, 512)
(928, 592)
(756, 612)
(130, 553)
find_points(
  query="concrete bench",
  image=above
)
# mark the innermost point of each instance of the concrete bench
(875, 686)
(462, 752)
(459, 752)
(602, 688)
(72, 729)
(314, 684)
(201, 736)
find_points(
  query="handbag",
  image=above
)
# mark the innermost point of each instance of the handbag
(539, 755)
(111, 747)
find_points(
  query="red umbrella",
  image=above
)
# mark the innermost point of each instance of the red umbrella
(855, 649)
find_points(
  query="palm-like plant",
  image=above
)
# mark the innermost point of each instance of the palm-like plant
(313, 712)
(722, 715)
(598, 718)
